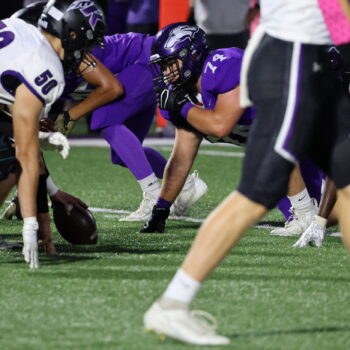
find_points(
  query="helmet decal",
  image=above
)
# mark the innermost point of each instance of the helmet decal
(89, 9)
(180, 34)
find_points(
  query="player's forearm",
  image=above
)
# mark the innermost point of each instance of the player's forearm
(175, 175)
(28, 181)
(346, 8)
(97, 98)
(211, 122)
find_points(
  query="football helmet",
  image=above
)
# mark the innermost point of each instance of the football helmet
(79, 24)
(30, 13)
(178, 42)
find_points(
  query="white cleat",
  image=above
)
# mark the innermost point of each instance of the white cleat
(187, 197)
(181, 324)
(314, 234)
(144, 211)
(297, 223)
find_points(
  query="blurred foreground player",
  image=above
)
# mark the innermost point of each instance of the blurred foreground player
(302, 110)
(34, 79)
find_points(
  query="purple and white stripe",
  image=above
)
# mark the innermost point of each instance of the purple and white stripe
(286, 131)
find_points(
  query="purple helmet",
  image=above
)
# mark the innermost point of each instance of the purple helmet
(178, 41)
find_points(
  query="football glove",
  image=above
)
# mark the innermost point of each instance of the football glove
(156, 222)
(175, 101)
(54, 141)
(30, 245)
(64, 124)
(314, 234)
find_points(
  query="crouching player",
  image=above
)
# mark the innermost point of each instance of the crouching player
(33, 80)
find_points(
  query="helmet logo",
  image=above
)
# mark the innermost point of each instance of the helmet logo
(88, 9)
(180, 34)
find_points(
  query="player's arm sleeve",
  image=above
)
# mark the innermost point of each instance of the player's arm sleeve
(225, 78)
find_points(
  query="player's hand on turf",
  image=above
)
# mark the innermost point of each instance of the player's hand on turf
(46, 125)
(173, 101)
(30, 246)
(69, 201)
(64, 124)
(54, 141)
(156, 223)
(314, 235)
(45, 234)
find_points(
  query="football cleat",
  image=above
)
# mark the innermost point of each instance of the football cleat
(298, 222)
(193, 327)
(187, 197)
(144, 211)
(13, 210)
(314, 234)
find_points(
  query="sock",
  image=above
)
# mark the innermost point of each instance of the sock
(151, 185)
(182, 288)
(301, 201)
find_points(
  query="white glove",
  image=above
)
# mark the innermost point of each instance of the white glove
(30, 245)
(314, 234)
(54, 141)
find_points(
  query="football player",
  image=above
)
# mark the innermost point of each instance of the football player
(33, 61)
(125, 122)
(183, 65)
(302, 110)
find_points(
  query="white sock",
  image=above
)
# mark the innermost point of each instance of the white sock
(182, 287)
(301, 200)
(151, 185)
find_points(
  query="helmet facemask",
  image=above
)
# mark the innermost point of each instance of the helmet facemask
(182, 59)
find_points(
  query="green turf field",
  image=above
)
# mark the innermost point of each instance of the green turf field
(266, 294)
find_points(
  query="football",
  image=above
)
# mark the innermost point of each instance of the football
(77, 228)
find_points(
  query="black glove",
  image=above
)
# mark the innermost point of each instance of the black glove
(156, 222)
(172, 100)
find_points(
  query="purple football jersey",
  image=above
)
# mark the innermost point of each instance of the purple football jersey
(220, 74)
(122, 50)
(119, 52)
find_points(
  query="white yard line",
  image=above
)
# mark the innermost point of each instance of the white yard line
(163, 145)
(150, 141)
(117, 213)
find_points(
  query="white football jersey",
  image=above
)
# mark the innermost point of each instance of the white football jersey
(27, 57)
(295, 20)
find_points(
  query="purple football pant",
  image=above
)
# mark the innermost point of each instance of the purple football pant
(126, 140)
(313, 178)
(125, 123)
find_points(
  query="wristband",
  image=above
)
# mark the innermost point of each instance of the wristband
(185, 109)
(163, 203)
(51, 187)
